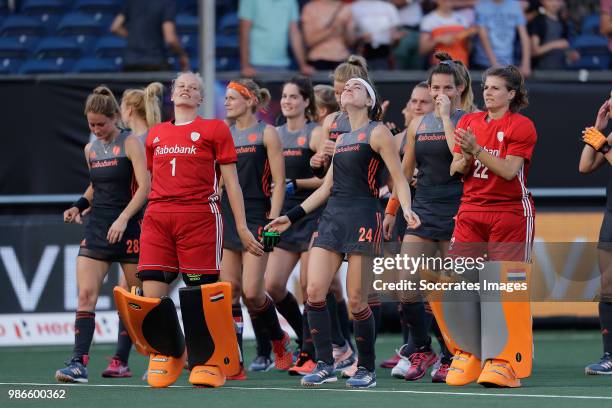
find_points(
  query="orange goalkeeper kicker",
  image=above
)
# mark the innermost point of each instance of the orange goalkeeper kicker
(217, 301)
(133, 309)
(209, 333)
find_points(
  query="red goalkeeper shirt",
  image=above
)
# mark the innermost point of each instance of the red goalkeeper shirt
(184, 163)
(511, 135)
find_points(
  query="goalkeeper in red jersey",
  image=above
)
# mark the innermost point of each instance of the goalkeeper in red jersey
(182, 234)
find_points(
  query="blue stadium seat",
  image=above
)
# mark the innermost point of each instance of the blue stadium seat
(98, 6)
(109, 46)
(189, 42)
(14, 47)
(228, 25)
(16, 25)
(39, 7)
(186, 24)
(98, 65)
(225, 6)
(85, 42)
(51, 66)
(226, 45)
(53, 47)
(590, 24)
(590, 43)
(187, 6)
(592, 62)
(194, 61)
(594, 53)
(10, 65)
(227, 63)
(227, 55)
(80, 23)
(48, 12)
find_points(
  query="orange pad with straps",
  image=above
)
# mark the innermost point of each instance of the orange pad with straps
(457, 315)
(507, 323)
(209, 328)
(152, 323)
(133, 309)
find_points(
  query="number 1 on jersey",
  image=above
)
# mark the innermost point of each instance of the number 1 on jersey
(173, 163)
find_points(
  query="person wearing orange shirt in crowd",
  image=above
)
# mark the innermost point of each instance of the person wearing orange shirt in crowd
(444, 30)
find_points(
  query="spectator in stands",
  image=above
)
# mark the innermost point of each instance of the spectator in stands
(406, 52)
(605, 22)
(444, 30)
(266, 28)
(531, 8)
(149, 27)
(498, 22)
(377, 24)
(549, 35)
(329, 31)
(465, 8)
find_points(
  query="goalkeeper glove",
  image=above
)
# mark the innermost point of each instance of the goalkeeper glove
(595, 139)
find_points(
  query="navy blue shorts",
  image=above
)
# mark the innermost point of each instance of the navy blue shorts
(351, 226)
(256, 217)
(436, 208)
(96, 246)
(297, 237)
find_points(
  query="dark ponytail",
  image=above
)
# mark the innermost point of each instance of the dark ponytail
(446, 67)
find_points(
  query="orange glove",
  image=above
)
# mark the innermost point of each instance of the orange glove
(595, 139)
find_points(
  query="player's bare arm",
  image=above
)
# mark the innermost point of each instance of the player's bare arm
(382, 142)
(135, 152)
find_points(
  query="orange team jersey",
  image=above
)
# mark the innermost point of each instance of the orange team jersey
(184, 163)
(511, 135)
(457, 50)
(437, 25)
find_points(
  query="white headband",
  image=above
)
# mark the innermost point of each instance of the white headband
(368, 88)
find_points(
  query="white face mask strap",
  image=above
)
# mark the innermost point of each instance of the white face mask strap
(368, 88)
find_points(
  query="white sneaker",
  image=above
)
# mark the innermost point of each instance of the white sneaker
(434, 368)
(401, 368)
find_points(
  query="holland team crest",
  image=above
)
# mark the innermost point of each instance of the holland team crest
(195, 136)
(500, 136)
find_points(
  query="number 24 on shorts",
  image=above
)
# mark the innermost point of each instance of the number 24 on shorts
(365, 234)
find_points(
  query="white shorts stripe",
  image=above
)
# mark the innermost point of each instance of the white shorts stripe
(218, 233)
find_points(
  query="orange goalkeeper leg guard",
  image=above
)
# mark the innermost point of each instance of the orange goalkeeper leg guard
(209, 331)
(458, 316)
(154, 328)
(507, 339)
